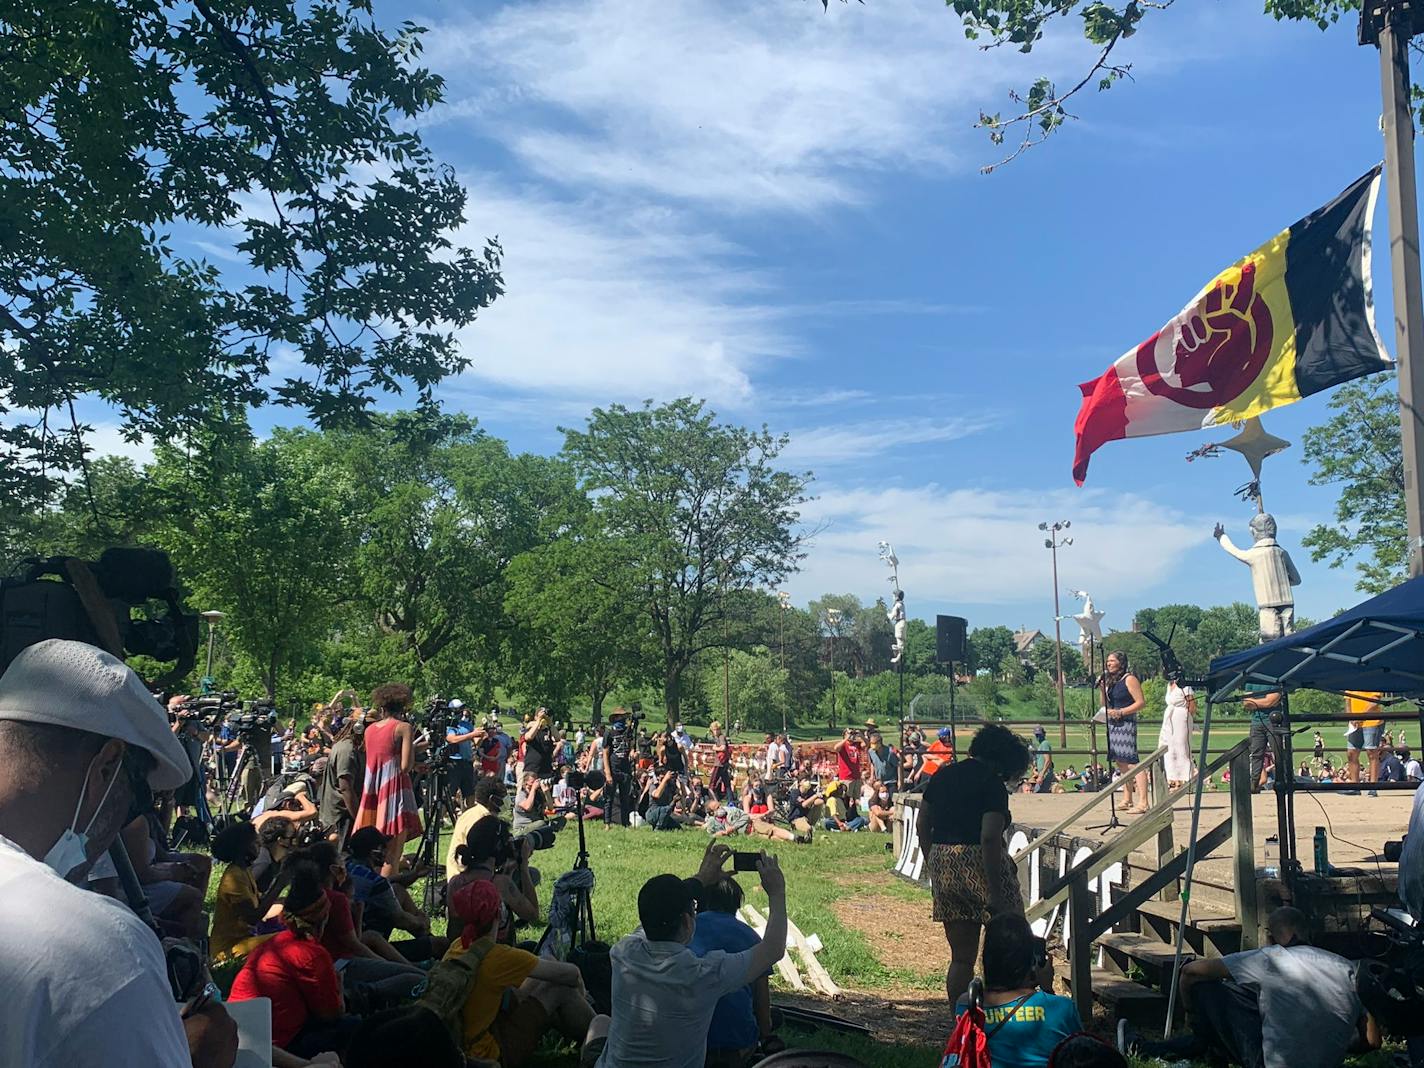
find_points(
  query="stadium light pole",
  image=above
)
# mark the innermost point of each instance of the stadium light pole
(1390, 25)
(833, 623)
(1052, 542)
(213, 617)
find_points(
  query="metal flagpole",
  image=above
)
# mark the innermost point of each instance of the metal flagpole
(1390, 24)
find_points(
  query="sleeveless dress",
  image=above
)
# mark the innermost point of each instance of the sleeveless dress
(387, 799)
(1122, 733)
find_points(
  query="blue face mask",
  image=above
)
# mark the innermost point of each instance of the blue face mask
(72, 848)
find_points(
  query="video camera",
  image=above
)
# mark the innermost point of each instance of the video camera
(94, 602)
(208, 710)
(253, 719)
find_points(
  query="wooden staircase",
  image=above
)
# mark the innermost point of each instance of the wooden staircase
(1121, 958)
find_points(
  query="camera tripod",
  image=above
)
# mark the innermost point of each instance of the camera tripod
(438, 793)
(246, 755)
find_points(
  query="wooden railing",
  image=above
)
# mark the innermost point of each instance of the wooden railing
(1084, 929)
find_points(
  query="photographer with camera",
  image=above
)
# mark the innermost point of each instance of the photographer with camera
(529, 813)
(461, 734)
(538, 747)
(342, 779)
(388, 798)
(82, 745)
(663, 994)
(490, 853)
(617, 756)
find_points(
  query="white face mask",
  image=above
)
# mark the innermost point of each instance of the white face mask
(72, 848)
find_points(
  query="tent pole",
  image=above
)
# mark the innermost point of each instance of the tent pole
(1187, 875)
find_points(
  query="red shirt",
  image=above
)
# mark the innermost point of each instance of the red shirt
(297, 974)
(339, 925)
(847, 761)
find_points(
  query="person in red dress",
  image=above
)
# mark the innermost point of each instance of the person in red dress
(388, 799)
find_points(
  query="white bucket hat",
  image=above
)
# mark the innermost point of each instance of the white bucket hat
(71, 684)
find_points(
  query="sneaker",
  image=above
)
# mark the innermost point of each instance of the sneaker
(803, 839)
(1372, 793)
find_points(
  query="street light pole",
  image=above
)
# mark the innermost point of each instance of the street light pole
(212, 618)
(1390, 24)
(784, 599)
(833, 622)
(1051, 543)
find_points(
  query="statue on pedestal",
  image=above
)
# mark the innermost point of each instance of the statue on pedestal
(896, 615)
(1272, 575)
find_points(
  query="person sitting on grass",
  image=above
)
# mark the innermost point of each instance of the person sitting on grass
(726, 821)
(383, 905)
(491, 854)
(664, 996)
(516, 997)
(239, 907)
(662, 795)
(1286, 1005)
(296, 973)
(842, 811)
(1024, 1021)
(879, 809)
(741, 1023)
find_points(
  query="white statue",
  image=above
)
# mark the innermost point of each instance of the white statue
(1272, 575)
(896, 616)
(1089, 620)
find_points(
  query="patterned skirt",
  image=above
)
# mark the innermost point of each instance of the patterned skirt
(1122, 740)
(959, 886)
(388, 802)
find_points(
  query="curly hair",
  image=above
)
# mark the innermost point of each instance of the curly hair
(1003, 750)
(392, 696)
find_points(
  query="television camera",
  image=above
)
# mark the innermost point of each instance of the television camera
(253, 719)
(96, 602)
(208, 710)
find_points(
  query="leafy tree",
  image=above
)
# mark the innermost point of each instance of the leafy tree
(1042, 109)
(863, 636)
(1012, 670)
(919, 647)
(1358, 449)
(702, 509)
(758, 689)
(579, 620)
(285, 127)
(988, 647)
(444, 508)
(261, 541)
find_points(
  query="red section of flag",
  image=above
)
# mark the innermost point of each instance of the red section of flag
(1102, 418)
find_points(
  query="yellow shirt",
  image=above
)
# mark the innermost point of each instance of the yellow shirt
(463, 823)
(1357, 704)
(503, 967)
(237, 896)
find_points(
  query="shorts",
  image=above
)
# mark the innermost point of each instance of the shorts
(958, 886)
(1367, 738)
(518, 1027)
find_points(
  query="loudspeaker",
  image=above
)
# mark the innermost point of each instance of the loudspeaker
(951, 633)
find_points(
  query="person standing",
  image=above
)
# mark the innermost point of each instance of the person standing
(461, 735)
(773, 753)
(964, 818)
(721, 780)
(1364, 733)
(848, 754)
(1124, 703)
(1261, 702)
(388, 798)
(884, 761)
(1176, 733)
(1043, 776)
(343, 779)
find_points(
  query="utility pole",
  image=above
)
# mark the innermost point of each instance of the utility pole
(1391, 24)
(833, 623)
(1052, 542)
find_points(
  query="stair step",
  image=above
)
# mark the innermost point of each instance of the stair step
(1199, 915)
(1146, 951)
(1124, 999)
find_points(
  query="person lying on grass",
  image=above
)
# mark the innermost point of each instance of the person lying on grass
(725, 821)
(664, 995)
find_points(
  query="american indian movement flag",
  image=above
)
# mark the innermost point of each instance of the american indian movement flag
(1292, 318)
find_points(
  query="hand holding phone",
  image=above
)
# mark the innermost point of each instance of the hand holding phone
(744, 861)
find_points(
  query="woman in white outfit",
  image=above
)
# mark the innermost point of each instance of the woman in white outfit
(1177, 732)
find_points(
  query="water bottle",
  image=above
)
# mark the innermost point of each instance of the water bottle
(1322, 852)
(1273, 857)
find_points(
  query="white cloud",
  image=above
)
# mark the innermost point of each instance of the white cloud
(855, 441)
(737, 105)
(969, 546)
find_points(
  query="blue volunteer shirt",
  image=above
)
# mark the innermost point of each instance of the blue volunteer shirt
(1032, 1031)
(463, 750)
(734, 1023)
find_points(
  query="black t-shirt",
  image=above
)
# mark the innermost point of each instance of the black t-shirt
(959, 795)
(539, 755)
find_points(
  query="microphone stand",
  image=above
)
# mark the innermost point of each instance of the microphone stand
(1113, 822)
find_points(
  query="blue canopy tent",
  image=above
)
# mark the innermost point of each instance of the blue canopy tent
(1377, 646)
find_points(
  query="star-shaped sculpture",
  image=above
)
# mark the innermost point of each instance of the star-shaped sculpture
(1255, 445)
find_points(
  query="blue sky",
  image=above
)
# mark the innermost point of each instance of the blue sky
(780, 210)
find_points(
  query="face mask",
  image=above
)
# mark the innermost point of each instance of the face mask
(72, 848)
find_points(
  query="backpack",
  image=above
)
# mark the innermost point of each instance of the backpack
(447, 987)
(968, 1045)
